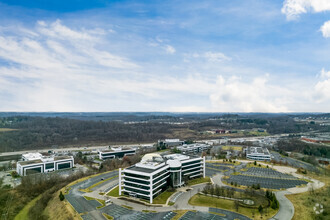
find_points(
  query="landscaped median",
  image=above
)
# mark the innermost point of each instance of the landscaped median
(102, 202)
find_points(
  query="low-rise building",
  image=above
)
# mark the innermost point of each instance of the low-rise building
(116, 152)
(258, 153)
(170, 142)
(154, 174)
(37, 163)
(193, 148)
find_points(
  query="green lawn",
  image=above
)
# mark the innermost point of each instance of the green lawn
(199, 181)
(89, 198)
(23, 214)
(107, 216)
(201, 200)
(126, 206)
(162, 198)
(114, 192)
(102, 202)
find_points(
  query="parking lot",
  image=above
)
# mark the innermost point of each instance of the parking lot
(214, 168)
(293, 162)
(119, 212)
(262, 172)
(269, 183)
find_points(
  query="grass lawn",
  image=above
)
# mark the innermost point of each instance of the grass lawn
(126, 206)
(251, 164)
(89, 198)
(102, 202)
(223, 162)
(199, 180)
(305, 202)
(89, 189)
(107, 216)
(162, 198)
(23, 214)
(201, 200)
(114, 192)
(238, 148)
(147, 211)
(7, 129)
(57, 209)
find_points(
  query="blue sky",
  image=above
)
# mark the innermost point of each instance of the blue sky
(186, 56)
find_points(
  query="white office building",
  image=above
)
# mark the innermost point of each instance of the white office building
(154, 174)
(258, 153)
(193, 148)
(37, 163)
(116, 152)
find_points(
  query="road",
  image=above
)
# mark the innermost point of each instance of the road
(286, 210)
(59, 150)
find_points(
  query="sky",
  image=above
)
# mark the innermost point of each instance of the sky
(167, 56)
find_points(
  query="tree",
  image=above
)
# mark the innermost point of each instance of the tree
(260, 209)
(61, 196)
(14, 174)
(255, 163)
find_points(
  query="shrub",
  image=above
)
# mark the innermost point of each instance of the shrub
(61, 196)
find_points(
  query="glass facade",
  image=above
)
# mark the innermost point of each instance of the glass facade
(49, 166)
(64, 165)
(33, 170)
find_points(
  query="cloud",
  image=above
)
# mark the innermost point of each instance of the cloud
(209, 56)
(216, 57)
(293, 8)
(170, 49)
(322, 87)
(236, 95)
(326, 29)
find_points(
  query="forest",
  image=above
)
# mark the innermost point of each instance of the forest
(35, 132)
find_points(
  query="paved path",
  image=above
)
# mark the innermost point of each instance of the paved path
(286, 210)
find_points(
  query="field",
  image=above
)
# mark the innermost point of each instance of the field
(237, 148)
(23, 214)
(7, 129)
(57, 209)
(304, 202)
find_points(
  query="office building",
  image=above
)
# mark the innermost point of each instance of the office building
(37, 163)
(116, 152)
(193, 148)
(154, 174)
(258, 153)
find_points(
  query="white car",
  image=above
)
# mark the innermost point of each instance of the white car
(108, 201)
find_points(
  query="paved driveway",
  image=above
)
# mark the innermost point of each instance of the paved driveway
(76, 199)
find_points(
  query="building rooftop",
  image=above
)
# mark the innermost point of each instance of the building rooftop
(144, 169)
(172, 140)
(179, 157)
(116, 149)
(32, 156)
(62, 157)
(257, 150)
(28, 162)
